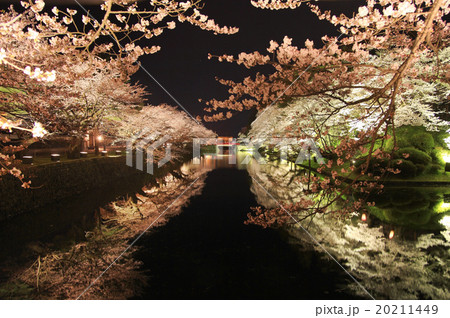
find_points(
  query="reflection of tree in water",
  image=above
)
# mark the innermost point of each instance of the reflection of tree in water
(279, 179)
(388, 269)
(418, 208)
(56, 272)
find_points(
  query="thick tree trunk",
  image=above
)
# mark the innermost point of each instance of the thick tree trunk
(74, 148)
(95, 135)
(97, 151)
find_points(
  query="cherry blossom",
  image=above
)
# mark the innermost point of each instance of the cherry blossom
(66, 72)
(386, 69)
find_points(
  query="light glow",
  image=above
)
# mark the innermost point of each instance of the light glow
(445, 221)
(442, 207)
(446, 156)
(364, 217)
(246, 149)
(447, 140)
(38, 131)
(391, 234)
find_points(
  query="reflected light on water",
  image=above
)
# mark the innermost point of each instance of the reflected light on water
(240, 160)
(446, 156)
(442, 207)
(445, 221)
(405, 218)
(391, 234)
(445, 205)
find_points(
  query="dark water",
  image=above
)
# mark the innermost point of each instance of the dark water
(207, 252)
(63, 222)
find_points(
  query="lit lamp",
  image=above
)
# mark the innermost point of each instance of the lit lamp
(100, 138)
(118, 152)
(55, 157)
(391, 234)
(27, 160)
(83, 154)
(104, 153)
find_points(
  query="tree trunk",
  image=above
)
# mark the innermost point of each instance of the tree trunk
(74, 148)
(96, 141)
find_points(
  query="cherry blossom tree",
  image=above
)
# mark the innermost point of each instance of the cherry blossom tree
(153, 123)
(345, 63)
(117, 33)
(87, 86)
(41, 52)
(350, 93)
(34, 39)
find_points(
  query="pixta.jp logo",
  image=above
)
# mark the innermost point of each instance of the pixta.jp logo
(302, 149)
(141, 150)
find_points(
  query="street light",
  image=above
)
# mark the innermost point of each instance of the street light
(100, 139)
(97, 140)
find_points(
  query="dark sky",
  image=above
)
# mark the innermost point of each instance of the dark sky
(183, 68)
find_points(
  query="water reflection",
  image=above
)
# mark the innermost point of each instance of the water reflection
(418, 208)
(58, 251)
(413, 264)
(63, 222)
(207, 252)
(239, 160)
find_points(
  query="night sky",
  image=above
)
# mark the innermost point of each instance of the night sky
(182, 65)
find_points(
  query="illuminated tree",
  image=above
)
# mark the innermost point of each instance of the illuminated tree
(117, 33)
(346, 63)
(41, 53)
(157, 122)
(349, 94)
